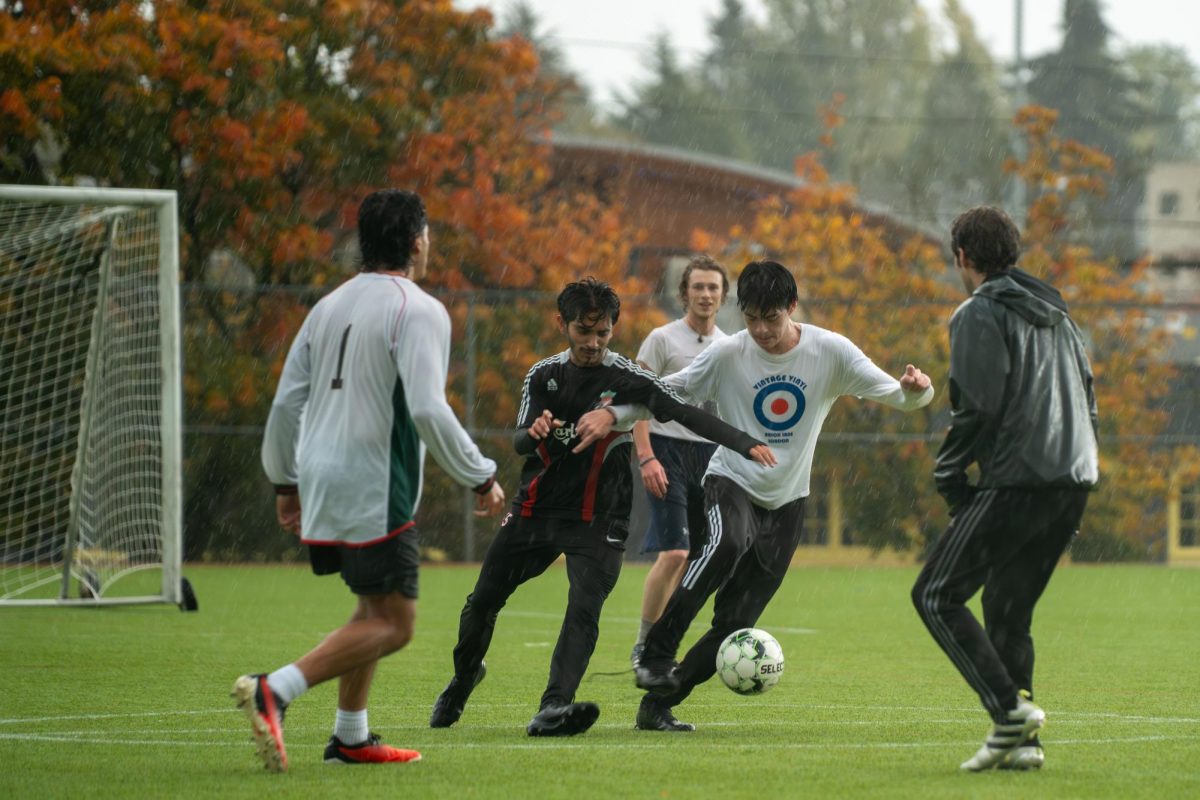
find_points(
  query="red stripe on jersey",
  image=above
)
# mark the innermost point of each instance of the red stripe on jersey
(593, 477)
(530, 497)
(544, 453)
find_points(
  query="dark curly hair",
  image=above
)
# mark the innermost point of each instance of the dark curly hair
(389, 223)
(587, 298)
(988, 237)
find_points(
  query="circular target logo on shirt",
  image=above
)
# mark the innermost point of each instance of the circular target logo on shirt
(779, 405)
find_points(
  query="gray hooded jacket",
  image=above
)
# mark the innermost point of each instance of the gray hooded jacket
(1021, 391)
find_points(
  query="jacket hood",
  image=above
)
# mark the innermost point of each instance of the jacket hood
(1004, 289)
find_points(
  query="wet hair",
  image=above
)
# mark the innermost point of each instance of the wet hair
(702, 262)
(988, 237)
(587, 298)
(389, 223)
(766, 286)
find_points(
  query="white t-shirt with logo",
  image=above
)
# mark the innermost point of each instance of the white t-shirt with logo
(782, 400)
(667, 350)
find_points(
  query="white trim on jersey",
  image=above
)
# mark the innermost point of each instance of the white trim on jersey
(524, 407)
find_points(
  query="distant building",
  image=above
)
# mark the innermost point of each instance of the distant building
(670, 192)
(1170, 214)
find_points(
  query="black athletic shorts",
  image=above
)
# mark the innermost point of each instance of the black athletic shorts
(381, 568)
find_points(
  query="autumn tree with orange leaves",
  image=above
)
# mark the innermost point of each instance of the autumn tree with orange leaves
(892, 294)
(272, 119)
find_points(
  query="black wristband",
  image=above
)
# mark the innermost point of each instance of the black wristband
(486, 486)
(646, 461)
(287, 490)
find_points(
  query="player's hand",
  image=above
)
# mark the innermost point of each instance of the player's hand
(764, 455)
(543, 425)
(593, 426)
(913, 380)
(654, 478)
(287, 511)
(488, 504)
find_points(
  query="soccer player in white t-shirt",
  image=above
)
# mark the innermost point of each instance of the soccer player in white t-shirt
(777, 380)
(361, 398)
(671, 458)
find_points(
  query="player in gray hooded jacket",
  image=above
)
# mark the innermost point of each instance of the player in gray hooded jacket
(1024, 412)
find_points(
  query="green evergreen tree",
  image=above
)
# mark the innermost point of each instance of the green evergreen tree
(1170, 82)
(569, 96)
(955, 158)
(1101, 107)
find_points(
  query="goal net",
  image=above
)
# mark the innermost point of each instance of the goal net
(90, 487)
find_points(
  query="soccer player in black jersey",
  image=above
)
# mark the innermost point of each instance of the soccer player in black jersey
(574, 500)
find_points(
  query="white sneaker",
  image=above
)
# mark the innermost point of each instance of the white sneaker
(1023, 722)
(1028, 756)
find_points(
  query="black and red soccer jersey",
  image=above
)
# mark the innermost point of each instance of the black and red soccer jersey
(596, 484)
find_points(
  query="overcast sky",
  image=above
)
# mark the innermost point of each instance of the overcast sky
(605, 42)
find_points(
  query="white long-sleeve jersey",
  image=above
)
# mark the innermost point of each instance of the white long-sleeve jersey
(782, 400)
(361, 397)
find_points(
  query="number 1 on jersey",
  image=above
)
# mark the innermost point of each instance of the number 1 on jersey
(337, 380)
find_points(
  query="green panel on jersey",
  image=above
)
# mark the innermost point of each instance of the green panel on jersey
(404, 473)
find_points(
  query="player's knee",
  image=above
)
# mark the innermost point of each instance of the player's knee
(923, 603)
(402, 634)
(674, 560)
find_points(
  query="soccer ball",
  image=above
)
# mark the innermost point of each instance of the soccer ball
(750, 661)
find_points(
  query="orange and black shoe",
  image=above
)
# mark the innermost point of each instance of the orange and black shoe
(372, 751)
(265, 711)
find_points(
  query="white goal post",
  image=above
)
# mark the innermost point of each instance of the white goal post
(90, 397)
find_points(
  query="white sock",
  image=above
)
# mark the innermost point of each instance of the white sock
(642, 631)
(287, 682)
(351, 726)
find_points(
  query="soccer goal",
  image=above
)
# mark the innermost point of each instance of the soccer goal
(90, 445)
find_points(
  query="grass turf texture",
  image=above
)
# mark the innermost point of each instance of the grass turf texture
(132, 702)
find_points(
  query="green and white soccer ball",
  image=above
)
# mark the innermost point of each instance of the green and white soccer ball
(750, 661)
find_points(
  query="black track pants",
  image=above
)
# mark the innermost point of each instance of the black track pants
(746, 554)
(523, 549)
(1009, 542)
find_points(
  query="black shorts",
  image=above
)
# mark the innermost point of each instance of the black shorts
(674, 518)
(381, 568)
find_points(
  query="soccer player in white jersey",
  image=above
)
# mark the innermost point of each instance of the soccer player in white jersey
(672, 460)
(777, 380)
(361, 398)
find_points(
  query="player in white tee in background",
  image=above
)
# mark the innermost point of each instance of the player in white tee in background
(361, 397)
(777, 380)
(671, 458)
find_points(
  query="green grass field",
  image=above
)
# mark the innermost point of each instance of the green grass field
(132, 702)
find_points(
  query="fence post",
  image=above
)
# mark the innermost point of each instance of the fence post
(469, 502)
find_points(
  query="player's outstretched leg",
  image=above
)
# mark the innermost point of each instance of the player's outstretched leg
(655, 715)
(1021, 725)
(372, 751)
(265, 711)
(568, 719)
(450, 703)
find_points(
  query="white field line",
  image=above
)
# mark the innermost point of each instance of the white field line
(967, 714)
(674, 742)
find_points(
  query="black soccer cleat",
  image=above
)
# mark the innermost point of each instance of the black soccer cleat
(658, 677)
(566, 720)
(654, 715)
(450, 703)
